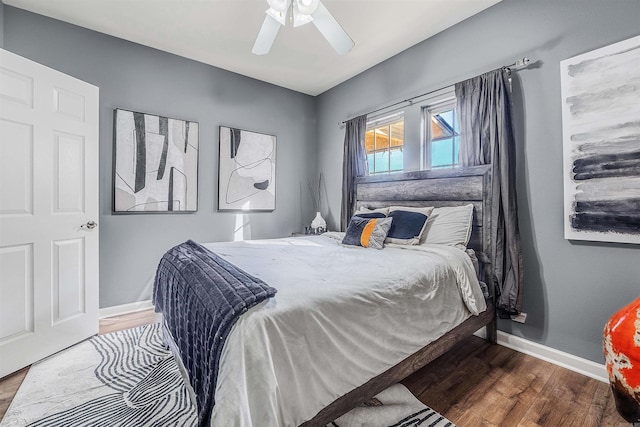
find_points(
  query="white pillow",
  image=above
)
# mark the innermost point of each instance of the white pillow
(449, 225)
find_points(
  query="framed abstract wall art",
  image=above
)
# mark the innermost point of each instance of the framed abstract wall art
(155, 164)
(601, 142)
(247, 171)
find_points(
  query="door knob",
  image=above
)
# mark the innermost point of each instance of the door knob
(89, 225)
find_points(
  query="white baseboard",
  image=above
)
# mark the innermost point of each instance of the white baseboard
(118, 310)
(566, 360)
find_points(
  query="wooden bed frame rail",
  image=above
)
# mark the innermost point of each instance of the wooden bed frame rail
(402, 370)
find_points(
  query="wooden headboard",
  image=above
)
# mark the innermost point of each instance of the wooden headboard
(443, 187)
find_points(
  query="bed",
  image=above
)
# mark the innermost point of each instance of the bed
(326, 344)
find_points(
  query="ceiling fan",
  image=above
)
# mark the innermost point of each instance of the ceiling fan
(301, 12)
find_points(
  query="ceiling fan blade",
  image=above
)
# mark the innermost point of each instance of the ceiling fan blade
(331, 30)
(266, 36)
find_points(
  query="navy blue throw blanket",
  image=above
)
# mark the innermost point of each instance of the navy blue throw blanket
(201, 296)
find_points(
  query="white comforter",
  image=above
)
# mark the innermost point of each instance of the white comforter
(342, 315)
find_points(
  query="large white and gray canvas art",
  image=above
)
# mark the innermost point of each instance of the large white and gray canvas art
(247, 170)
(601, 131)
(156, 163)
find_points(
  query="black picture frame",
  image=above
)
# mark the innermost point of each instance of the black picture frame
(155, 164)
(246, 170)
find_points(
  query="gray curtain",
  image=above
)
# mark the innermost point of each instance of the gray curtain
(354, 164)
(486, 136)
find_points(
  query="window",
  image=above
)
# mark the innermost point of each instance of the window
(384, 142)
(442, 135)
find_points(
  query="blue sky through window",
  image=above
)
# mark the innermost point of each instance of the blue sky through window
(444, 139)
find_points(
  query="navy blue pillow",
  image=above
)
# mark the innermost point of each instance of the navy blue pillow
(407, 227)
(354, 230)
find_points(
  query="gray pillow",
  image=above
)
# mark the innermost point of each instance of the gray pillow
(449, 225)
(367, 232)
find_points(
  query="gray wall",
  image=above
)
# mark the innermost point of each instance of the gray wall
(571, 287)
(142, 79)
(1, 24)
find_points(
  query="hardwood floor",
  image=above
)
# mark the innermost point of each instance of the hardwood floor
(478, 384)
(118, 323)
(8, 387)
(475, 384)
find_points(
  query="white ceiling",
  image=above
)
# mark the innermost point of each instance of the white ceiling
(222, 33)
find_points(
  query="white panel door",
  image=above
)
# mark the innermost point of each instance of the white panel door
(48, 195)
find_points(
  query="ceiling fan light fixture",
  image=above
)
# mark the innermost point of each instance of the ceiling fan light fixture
(300, 19)
(279, 5)
(302, 12)
(306, 7)
(281, 17)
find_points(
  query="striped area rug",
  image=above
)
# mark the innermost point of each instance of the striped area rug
(128, 378)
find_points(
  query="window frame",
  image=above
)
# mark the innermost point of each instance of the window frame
(428, 112)
(386, 120)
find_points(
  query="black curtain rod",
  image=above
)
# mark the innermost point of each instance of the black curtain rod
(523, 62)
